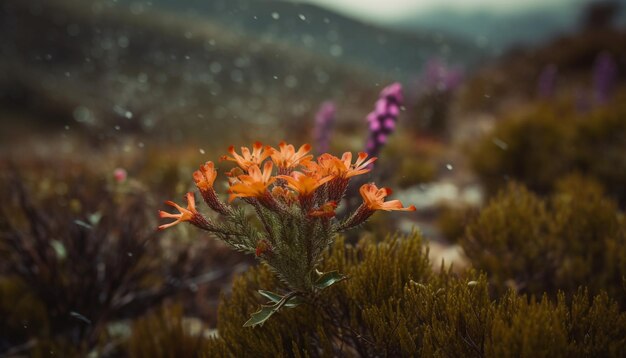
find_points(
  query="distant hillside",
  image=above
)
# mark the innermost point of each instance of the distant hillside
(516, 73)
(107, 69)
(396, 53)
(498, 31)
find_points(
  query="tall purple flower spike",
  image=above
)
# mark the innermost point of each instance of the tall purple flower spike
(382, 121)
(546, 82)
(323, 124)
(604, 77)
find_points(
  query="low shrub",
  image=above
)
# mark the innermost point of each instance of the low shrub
(533, 148)
(576, 237)
(76, 260)
(538, 147)
(394, 304)
(165, 333)
(452, 221)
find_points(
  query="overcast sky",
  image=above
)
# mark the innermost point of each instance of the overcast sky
(391, 10)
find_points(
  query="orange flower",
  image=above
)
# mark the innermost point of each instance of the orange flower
(287, 158)
(341, 168)
(326, 164)
(359, 167)
(205, 176)
(247, 158)
(304, 184)
(253, 184)
(327, 210)
(286, 196)
(374, 199)
(185, 214)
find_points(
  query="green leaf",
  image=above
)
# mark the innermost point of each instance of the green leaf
(83, 224)
(59, 249)
(94, 218)
(276, 298)
(294, 302)
(259, 317)
(266, 311)
(328, 279)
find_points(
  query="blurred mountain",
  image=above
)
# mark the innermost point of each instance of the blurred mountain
(393, 52)
(499, 30)
(516, 75)
(107, 68)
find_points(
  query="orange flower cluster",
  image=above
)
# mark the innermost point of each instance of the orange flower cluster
(316, 186)
(294, 197)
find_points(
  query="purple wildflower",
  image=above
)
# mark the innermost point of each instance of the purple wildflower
(438, 77)
(604, 77)
(323, 123)
(546, 82)
(382, 121)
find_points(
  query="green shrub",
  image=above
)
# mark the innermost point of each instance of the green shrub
(600, 143)
(394, 304)
(413, 159)
(540, 328)
(452, 221)
(415, 171)
(538, 147)
(534, 149)
(164, 333)
(22, 313)
(508, 241)
(575, 238)
(592, 238)
(355, 314)
(73, 261)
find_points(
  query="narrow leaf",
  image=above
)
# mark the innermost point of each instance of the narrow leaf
(259, 317)
(59, 249)
(80, 317)
(276, 298)
(83, 224)
(328, 279)
(294, 302)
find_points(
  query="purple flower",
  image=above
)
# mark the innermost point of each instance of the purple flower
(604, 77)
(546, 82)
(382, 121)
(323, 124)
(437, 77)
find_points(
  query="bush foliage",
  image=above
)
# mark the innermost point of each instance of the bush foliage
(72, 263)
(538, 147)
(576, 237)
(394, 304)
(164, 333)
